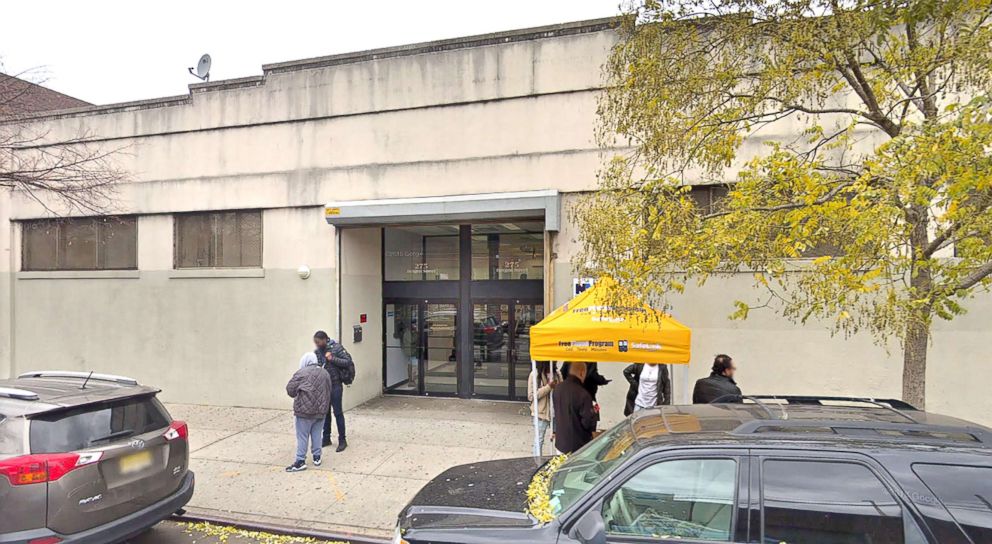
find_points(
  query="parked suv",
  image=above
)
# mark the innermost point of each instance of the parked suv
(87, 457)
(771, 470)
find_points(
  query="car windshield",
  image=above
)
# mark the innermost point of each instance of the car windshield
(590, 465)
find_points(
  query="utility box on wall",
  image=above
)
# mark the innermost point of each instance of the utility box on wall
(357, 334)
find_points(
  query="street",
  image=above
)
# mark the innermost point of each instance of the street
(170, 532)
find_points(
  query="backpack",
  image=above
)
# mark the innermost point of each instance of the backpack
(347, 375)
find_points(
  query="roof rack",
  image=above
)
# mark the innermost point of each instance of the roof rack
(892, 405)
(819, 400)
(916, 430)
(91, 376)
(19, 394)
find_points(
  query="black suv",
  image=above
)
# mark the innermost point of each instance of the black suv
(769, 470)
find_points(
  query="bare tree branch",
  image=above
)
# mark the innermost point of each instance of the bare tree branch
(66, 176)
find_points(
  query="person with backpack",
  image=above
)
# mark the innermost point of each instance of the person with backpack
(338, 363)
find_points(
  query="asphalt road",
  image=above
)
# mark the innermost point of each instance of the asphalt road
(169, 532)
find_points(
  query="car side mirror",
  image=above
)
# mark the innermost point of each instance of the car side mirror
(590, 529)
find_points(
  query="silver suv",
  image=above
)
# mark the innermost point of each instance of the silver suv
(87, 457)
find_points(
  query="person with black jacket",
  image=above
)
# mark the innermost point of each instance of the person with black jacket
(575, 419)
(592, 382)
(720, 385)
(650, 386)
(334, 359)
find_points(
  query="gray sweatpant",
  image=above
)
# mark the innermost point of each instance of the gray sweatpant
(308, 430)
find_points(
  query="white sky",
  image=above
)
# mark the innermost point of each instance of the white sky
(115, 51)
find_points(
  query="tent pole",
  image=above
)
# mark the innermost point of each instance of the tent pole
(686, 395)
(537, 433)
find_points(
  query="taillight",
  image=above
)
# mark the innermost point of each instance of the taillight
(178, 429)
(46, 540)
(489, 330)
(45, 467)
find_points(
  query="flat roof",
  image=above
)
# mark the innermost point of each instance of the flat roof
(465, 42)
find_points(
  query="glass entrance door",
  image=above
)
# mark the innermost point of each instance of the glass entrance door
(440, 359)
(421, 347)
(501, 347)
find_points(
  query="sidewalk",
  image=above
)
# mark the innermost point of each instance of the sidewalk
(395, 445)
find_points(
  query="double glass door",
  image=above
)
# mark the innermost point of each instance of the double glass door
(501, 347)
(422, 347)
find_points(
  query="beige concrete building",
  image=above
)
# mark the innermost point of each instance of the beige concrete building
(416, 196)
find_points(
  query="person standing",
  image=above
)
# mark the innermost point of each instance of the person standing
(548, 378)
(409, 344)
(650, 386)
(720, 385)
(310, 388)
(334, 359)
(592, 382)
(575, 419)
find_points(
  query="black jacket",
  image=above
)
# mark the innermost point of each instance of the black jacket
(575, 419)
(716, 388)
(633, 375)
(593, 378)
(340, 359)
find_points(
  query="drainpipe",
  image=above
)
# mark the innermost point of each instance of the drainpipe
(338, 233)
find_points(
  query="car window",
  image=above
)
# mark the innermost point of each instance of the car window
(590, 465)
(96, 424)
(827, 502)
(684, 498)
(966, 492)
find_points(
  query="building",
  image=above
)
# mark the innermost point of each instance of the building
(413, 201)
(19, 96)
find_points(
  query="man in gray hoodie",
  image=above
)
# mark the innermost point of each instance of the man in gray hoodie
(310, 388)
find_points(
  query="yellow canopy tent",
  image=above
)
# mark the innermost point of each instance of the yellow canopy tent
(589, 328)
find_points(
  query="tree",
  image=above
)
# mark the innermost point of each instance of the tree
(66, 176)
(867, 202)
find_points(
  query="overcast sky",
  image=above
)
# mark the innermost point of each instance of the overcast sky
(116, 51)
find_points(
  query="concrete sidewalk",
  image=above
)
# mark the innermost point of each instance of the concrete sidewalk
(395, 445)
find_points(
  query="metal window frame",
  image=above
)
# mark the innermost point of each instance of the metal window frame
(58, 224)
(214, 216)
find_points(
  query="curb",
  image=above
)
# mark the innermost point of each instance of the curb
(278, 529)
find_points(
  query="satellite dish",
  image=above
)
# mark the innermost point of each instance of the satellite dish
(202, 69)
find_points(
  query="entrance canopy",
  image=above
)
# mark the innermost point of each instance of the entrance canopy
(587, 329)
(447, 209)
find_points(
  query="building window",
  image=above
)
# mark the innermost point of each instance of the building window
(421, 253)
(87, 243)
(508, 251)
(219, 239)
(708, 197)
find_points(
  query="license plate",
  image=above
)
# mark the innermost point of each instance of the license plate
(136, 462)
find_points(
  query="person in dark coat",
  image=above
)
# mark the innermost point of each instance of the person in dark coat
(657, 388)
(333, 358)
(592, 382)
(593, 378)
(575, 419)
(720, 385)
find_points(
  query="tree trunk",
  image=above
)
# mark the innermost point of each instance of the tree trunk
(914, 363)
(914, 360)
